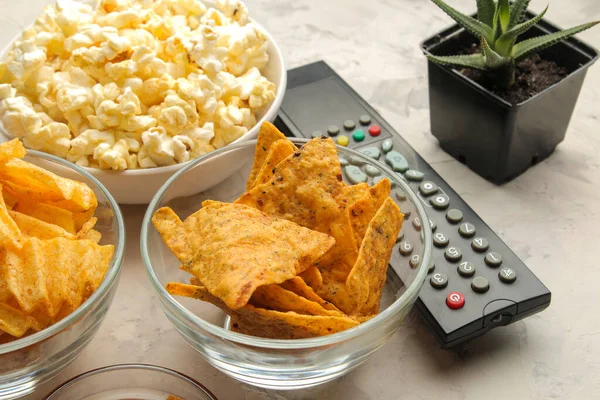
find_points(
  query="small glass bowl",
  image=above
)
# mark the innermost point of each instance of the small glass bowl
(277, 363)
(32, 360)
(131, 381)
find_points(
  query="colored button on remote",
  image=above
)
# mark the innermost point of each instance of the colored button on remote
(342, 140)
(358, 135)
(374, 130)
(455, 300)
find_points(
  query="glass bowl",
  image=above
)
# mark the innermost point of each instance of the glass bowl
(32, 360)
(277, 363)
(131, 381)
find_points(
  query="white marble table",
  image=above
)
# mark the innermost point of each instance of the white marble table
(550, 216)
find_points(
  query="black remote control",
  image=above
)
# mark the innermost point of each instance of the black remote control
(476, 282)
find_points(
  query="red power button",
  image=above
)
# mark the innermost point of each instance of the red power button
(455, 300)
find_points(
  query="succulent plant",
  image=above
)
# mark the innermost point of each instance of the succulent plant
(497, 26)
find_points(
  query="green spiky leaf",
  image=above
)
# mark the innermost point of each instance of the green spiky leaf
(473, 26)
(493, 60)
(529, 46)
(485, 11)
(517, 12)
(504, 11)
(505, 42)
(476, 61)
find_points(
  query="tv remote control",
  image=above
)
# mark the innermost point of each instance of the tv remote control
(476, 282)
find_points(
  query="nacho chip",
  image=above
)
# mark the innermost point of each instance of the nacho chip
(87, 227)
(11, 149)
(237, 248)
(93, 236)
(80, 218)
(352, 193)
(10, 234)
(303, 190)
(275, 297)
(334, 289)
(278, 151)
(37, 228)
(363, 210)
(312, 277)
(15, 322)
(267, 135)
(47, 213)
(298, 286)
(367, 278)
(44, 186)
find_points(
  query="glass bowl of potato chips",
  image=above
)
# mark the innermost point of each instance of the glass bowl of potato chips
(62, 238)
(289, 273)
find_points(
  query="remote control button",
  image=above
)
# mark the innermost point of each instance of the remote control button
(405, 248)
(364, 119)
(417, 223)
(439, 280)
(414, 261)
(355, 175)
(493, 259)
(428, 188)
(372, 152)
(343, 140)
(356, 161)
(480, 244)
(440, 240)
(358, 135)
(344, 161)
(387, 145)
(466, 269)
(372, 171)
(316, 134)
(507, 275)
(374, 130)
(400, 236)
(349, 124)
(455, 300)
(454, 216)
(432, 225)
(466, 230)
(441, 202)
(396, 161)
(453, 254)
(431, 268)
(380, 177)
(400, 195)
(333, 130)
(480, 284)
(414, 175)
(407, 215)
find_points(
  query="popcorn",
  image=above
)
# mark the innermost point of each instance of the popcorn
(135, 83)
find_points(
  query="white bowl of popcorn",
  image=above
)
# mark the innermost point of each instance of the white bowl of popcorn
(132, 90)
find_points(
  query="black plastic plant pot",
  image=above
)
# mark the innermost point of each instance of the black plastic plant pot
(494, 138)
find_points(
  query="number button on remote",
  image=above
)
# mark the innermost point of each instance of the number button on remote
(438, 280)
(455, 300)
(507, 275)
(466, 230)
(466, 269)
(355, 175)
(440, 240)
(440, 201)
(454, 216)
(480, 244)
(493, 259)
(414, 175)
(480, 284)
(428, 188)
(415, 260)
(405, 248)
(417, 223)
(432, 225)
(453, 254)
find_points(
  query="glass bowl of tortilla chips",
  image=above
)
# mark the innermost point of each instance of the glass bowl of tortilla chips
(62, 238)
(286, 275)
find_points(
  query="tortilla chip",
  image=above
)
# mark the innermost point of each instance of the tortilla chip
(37, 228)
(278, 151)
(44, 186)
(11, 149)
(237, 248)
(334, 289)
(303, 190)
(363, 210)
(93, 236)
(15, 322)
(47, 213)
(298, 286)
(87, 227)
(312, 277)
(267, 135)
(352, 193)
(275, 297)
(10, 234)
(80, 218)
(367, 278)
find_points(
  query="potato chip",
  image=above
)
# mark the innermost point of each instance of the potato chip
(47, 213)
(363, 210)
(278, 151)
(312, 277)
(11, 149)
(37, 228)
(367, 278)
(303, 190)
(237, 248)
(298, 286)
(275, 297)
(15, 322)
(44, 186)
(267, 135)
(10, 234)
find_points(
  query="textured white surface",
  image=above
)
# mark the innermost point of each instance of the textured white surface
(550, 216)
